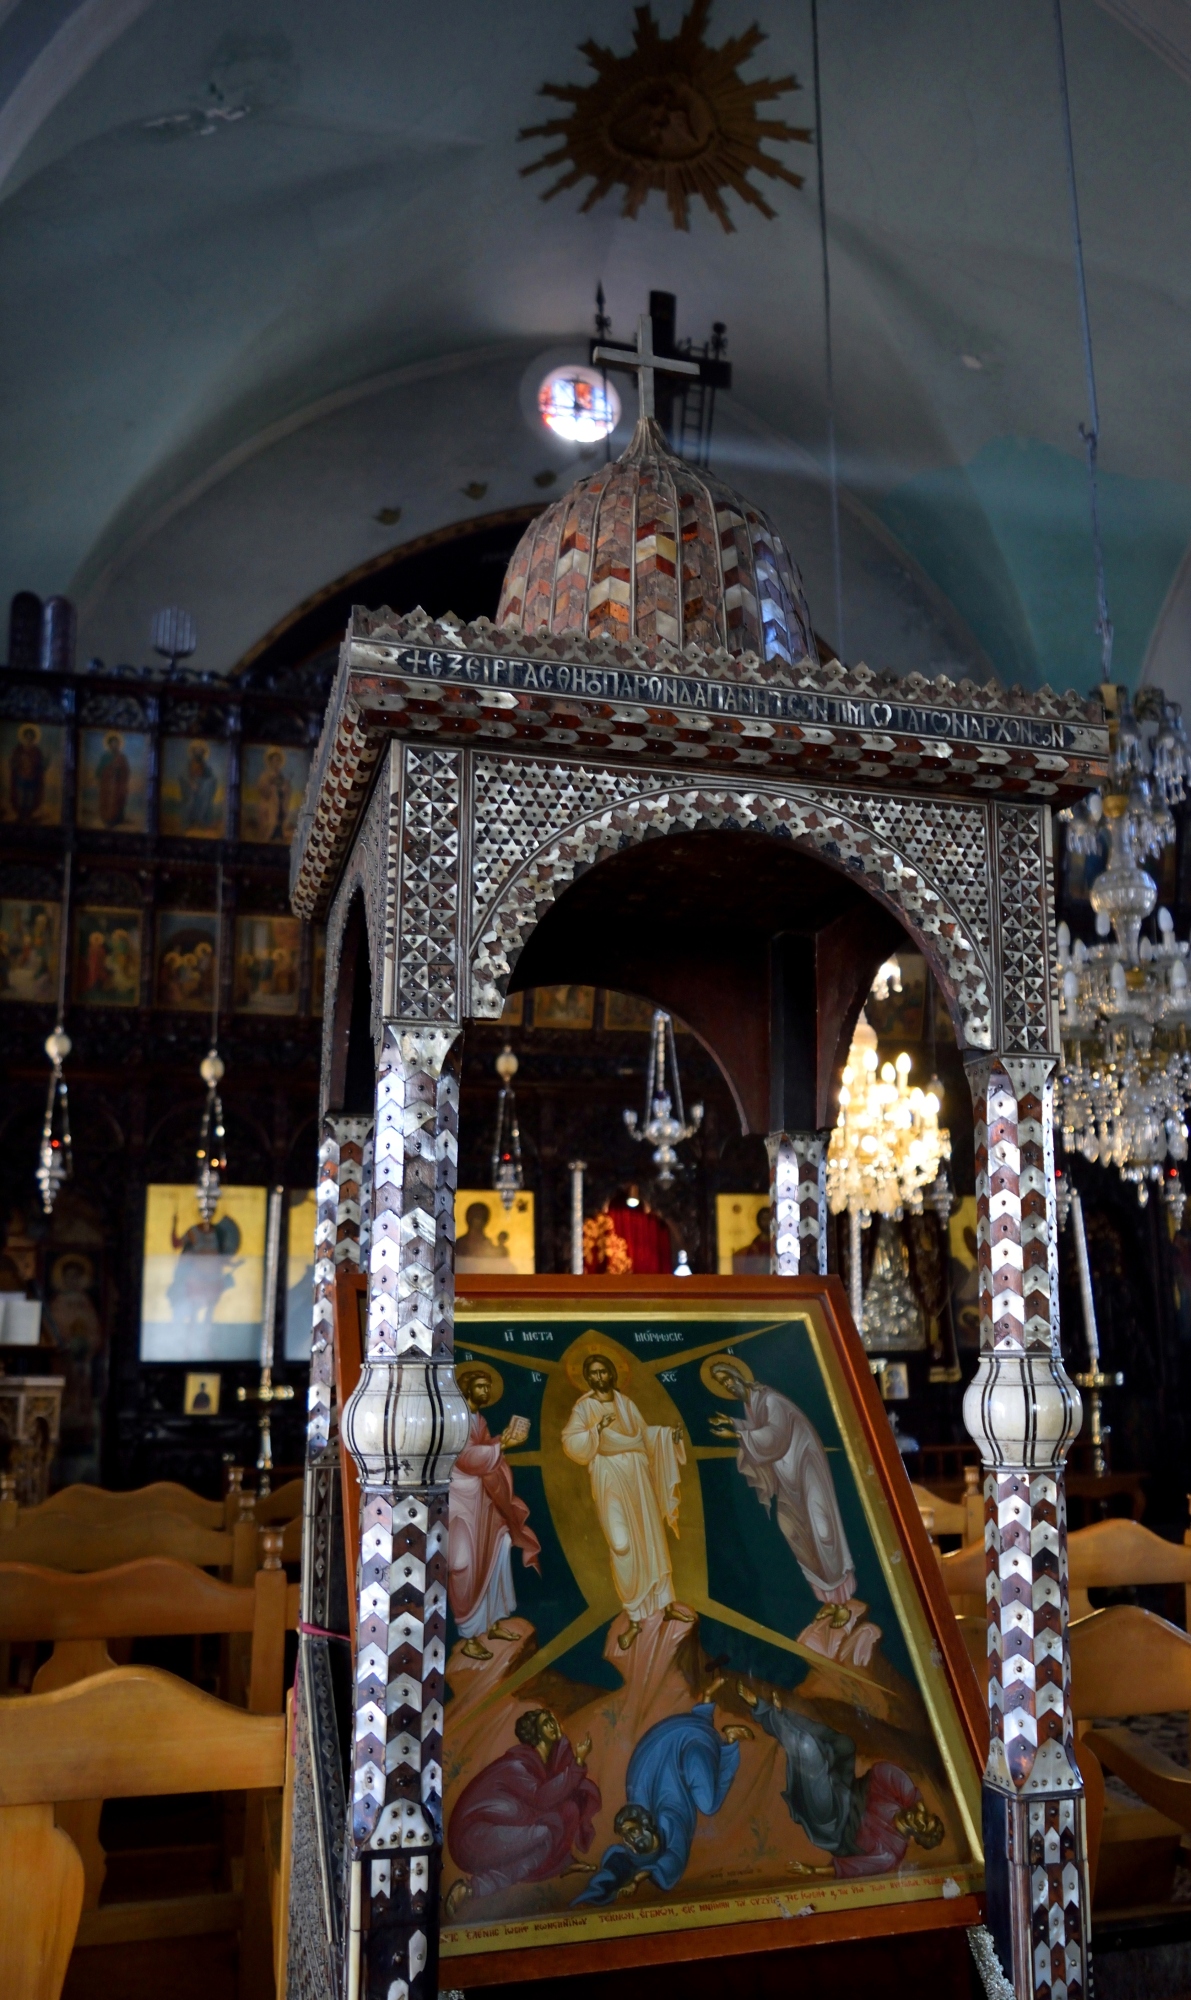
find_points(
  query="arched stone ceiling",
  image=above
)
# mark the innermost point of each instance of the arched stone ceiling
(270, 273)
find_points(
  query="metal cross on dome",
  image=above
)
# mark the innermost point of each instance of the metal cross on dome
(644, 363)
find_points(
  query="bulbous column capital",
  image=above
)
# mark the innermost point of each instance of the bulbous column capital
(1022, 1410)
(405, 1424)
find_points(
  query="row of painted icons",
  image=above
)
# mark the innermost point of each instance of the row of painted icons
(107, 955)
(113, 783)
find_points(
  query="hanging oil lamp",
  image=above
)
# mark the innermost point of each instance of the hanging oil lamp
(664, 1125)
(211, 1158)
(507, 1176)
(55, 1161)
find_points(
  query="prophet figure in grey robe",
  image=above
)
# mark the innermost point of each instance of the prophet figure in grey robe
(781, 1455)
(866, 1823)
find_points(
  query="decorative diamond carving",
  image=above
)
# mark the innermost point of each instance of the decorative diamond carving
(426, 978)
(1027, 948)
(536, 824)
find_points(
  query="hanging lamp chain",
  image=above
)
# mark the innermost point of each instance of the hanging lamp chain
(829, 367)
(1089, 432)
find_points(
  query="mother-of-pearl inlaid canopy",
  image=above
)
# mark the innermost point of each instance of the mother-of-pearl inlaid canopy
(651, 548)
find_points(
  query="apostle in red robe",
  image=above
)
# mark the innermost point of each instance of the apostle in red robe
(522, 1817)
(487, 1522)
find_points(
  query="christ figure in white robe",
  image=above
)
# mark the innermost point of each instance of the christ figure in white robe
(634, 1469)
(780, 1453)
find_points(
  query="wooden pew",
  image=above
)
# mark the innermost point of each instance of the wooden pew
(1125, 1661)
(155, 1597)
(129, 1732)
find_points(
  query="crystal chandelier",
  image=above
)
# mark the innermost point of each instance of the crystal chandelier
(1124, 1003)
(888, 1145)
(887, 1150)
(664, 1125)
(507, 1176)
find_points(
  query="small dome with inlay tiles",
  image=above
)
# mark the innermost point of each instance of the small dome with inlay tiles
(655, 550)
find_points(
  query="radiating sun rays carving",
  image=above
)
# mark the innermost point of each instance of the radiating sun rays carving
(674, 114)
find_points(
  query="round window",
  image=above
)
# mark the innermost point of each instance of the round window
(577, 404)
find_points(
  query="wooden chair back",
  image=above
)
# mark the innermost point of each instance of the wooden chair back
(96, 1503)
(155, 1597)
(1125, 1661)
(133, 1732)
(130, 1732)
(61, 1541)
(81, 1613)
(1107, 1555)
(949, 1517)
(282, 1506)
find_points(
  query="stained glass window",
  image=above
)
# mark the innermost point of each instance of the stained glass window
(578, 404)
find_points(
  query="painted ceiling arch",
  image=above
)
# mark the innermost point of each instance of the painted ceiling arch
(272, 275)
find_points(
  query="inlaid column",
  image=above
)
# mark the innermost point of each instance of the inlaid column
(316, 1922)
(342, 1205)
(1023, 1412)
(797, 1203)
(404, 1426)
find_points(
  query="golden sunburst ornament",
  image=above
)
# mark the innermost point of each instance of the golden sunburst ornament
(674, 115)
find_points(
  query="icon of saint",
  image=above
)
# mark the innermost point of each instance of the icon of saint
(27, 770)
(113, 774)
(754, 1259)
(205, 1270)
(199, 785)
(95, 978)
(634, 1469)
(780, 1453)
(475, 1249)
(487, 1522)
(273, 789)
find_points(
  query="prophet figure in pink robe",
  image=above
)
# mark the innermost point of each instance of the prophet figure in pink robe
(780, 1453)
(487, 1522)
(521, 1818)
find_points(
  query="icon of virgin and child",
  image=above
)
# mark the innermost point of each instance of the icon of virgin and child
(604, 1795)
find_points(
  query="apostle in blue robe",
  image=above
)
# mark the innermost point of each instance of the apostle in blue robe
(681, 1767)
